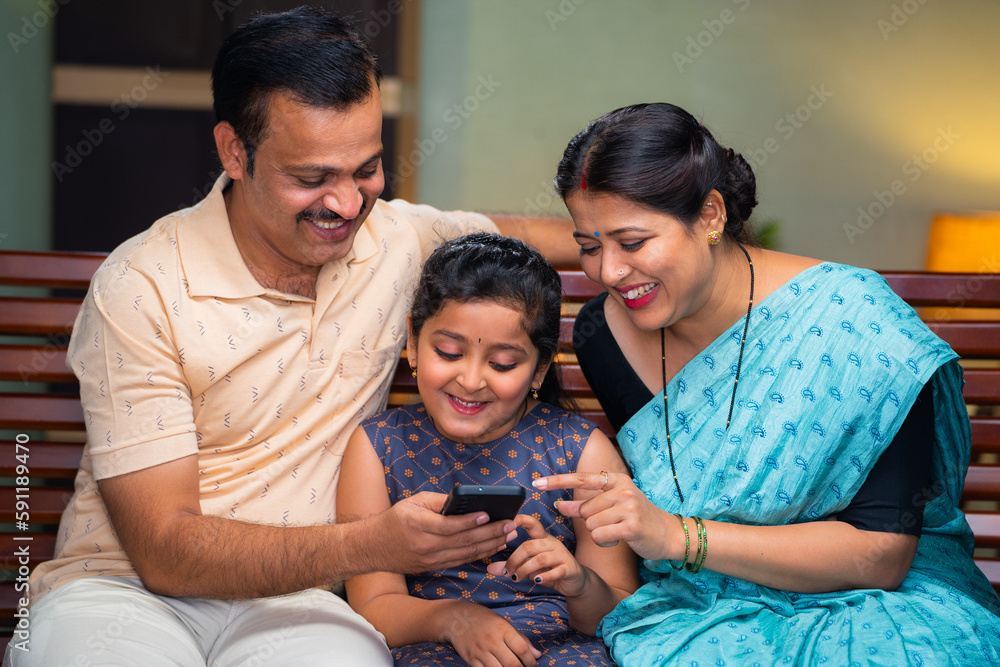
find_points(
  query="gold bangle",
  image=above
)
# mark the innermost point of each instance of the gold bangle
(687, 544)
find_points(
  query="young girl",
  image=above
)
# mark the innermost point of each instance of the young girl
(482, 336)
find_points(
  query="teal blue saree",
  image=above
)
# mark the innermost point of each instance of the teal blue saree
(832, 363)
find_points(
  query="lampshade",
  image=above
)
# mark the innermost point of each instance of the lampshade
(964, 241)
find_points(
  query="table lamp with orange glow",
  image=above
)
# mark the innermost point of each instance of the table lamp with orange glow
(967, 241)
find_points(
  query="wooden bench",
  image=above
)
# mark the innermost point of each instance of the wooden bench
(41, 421)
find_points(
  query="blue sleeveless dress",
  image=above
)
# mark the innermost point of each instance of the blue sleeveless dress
(546, 441)
(832, 363)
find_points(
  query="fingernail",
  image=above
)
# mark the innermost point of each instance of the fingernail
(511, 535)
(555, 503)
(481, 519)
(506, 573)
(513, 577)
(540, 483)
(538, 580)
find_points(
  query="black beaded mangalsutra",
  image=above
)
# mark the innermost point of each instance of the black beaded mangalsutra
(739, 366)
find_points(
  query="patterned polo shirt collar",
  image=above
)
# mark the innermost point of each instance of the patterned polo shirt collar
(212, 262)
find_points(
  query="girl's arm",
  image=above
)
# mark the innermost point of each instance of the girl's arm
(612, 572)
(382, 598)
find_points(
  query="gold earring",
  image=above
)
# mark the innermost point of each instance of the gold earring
(534, 393)
(413, 372)
(714, 237)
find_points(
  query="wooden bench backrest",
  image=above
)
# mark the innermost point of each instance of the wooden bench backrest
(39, 396)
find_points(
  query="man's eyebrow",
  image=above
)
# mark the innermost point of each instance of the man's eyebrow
(329, 168)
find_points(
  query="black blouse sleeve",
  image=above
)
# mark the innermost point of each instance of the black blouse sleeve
(891, 499)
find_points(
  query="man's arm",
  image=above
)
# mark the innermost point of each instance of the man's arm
(178, 551)
(553, 237)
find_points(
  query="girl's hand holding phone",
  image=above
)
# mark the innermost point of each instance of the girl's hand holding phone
(544, 560)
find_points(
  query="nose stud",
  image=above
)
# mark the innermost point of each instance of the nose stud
(621, 272)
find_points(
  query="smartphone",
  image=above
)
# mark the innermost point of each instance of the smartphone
(500, 502)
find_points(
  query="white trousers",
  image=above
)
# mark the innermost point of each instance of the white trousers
(115, 621)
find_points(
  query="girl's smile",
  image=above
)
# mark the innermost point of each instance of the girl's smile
(475, 366)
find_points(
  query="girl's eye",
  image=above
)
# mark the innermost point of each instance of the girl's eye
(588, 250)
(503, 368)
(447, 356)
(630, 247)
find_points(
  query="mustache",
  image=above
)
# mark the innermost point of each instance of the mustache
(326, 215)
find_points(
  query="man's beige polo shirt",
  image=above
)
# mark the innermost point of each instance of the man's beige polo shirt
(180, 351)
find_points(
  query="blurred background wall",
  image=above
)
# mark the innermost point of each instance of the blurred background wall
(862, 118)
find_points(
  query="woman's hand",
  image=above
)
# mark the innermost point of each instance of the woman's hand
(484, 638)
(619, 512)
(543, 559)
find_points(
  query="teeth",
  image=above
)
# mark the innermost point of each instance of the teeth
(327, 225)
(633, 294)
(468, 404)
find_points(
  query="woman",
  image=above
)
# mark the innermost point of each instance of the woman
(796, 484)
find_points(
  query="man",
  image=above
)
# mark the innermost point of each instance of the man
(225, 356)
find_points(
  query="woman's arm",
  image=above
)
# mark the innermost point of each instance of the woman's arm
(594, 579)
(814, 557)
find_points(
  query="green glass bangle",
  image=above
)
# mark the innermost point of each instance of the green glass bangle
(699, 558)
(687, 544)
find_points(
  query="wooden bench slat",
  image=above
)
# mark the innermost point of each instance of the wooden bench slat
(985, 434)
(34, 363)
(40, 547)
(27, 412)
(970, 339)
(576, 286)
(991, 568)
(27, 268)
(45, 504)
(982, 386)
(46, 460)
(950, 290)
(45, 317)
(986, 527)
(982, 482)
